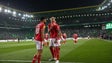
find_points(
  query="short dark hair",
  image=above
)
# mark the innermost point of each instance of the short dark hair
(42, 18)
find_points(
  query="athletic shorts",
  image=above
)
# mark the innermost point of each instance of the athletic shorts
(39, 45)
(46, 40)
(52, 42)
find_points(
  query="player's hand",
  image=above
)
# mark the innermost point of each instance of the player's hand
(43, 43)
(55, 41)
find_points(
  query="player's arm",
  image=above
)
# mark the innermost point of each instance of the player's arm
(48, 28)
(66, 35)
(62, 37)
(58, 36)
(59, 32)
(42, 32)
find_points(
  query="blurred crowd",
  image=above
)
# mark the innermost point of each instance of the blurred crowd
(82, 32)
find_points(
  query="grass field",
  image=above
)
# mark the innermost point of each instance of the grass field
(85, 51)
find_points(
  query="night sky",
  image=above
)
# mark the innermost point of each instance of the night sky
(46, 5)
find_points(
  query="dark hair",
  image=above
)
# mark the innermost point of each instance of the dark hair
(42, 18)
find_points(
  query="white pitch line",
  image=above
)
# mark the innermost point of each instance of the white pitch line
(29, 61)
(16, 60)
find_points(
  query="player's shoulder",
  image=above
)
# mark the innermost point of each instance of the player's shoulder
(42, 24)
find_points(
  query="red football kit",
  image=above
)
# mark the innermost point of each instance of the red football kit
(40, 27)
(54, 28)
(75, 36)
(38, 39)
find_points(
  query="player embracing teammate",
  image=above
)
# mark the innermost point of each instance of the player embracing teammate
(41, 38)
(55, 35)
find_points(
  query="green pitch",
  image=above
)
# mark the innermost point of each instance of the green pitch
(85, 51)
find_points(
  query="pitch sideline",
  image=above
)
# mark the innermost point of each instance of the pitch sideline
(29, 61)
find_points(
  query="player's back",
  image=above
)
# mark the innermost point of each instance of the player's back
(38, 30)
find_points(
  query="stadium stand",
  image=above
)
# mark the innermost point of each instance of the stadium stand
(85, 21)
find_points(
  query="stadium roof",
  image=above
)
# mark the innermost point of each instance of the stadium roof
(79, 8)
(46, 5)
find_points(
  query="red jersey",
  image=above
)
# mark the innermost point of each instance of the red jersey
(53, 29)
(46, 36)
(40, 27)
(75, 36)
(64, 36)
